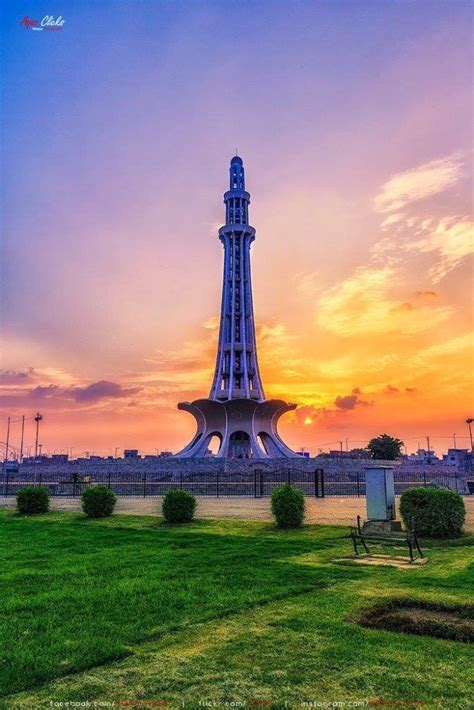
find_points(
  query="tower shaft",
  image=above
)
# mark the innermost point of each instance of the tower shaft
(237, 374)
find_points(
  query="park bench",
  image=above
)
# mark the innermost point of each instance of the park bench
(385, 532)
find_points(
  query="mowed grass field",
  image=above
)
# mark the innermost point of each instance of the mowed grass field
(129, 611)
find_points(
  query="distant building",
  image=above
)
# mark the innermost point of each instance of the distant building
(461, 458)
(422, 456)
(130, 453)
(338, 454)
(60, 458)
(359, 454)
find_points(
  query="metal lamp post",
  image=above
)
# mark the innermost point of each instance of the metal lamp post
(38, 418)
(469, 422)
(8, 439)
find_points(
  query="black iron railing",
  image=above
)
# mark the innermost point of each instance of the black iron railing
(258, 483)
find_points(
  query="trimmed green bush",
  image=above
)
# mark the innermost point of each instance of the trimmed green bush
(98, 502)
(437, 512)
(288, 506)
(31, 500)
(178, 507)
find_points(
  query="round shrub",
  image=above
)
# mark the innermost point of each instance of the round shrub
(98, 502)
(178, 507)
(288, 506)
(32, 499)
(437, 512)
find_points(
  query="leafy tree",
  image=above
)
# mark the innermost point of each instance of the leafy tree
(384, 447)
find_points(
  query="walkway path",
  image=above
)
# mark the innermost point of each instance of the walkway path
(330, 511)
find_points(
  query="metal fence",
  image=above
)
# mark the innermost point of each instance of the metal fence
(258, 483)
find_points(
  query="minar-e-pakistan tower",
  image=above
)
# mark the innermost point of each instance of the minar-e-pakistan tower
(236, 411)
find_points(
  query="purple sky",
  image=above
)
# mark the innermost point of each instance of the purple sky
(117, 133)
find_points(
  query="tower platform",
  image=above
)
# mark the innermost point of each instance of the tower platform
(246, 429)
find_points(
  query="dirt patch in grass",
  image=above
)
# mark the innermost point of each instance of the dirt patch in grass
(454, 622)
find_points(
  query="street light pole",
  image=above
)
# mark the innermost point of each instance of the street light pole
(38, 418)
(469, 422)
(454, 438)
(8, 439)
(22, 437)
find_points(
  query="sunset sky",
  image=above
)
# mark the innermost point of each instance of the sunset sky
(354, 122)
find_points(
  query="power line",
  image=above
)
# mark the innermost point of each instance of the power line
(15, 421)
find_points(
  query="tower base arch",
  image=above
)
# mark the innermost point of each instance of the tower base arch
(246, 429)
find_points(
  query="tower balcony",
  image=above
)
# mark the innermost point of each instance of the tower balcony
(241, 393)
(228, 229)
(243, 194)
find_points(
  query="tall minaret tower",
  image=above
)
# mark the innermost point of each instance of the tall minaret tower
(237, 372)
(236, 411)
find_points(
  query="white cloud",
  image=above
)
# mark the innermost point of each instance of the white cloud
(446, 241)
(421, 182)
(392, 219)
(452, 239)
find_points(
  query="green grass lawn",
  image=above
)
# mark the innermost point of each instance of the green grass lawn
(129, 610)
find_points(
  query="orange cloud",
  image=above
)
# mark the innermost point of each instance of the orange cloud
(362, 304)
